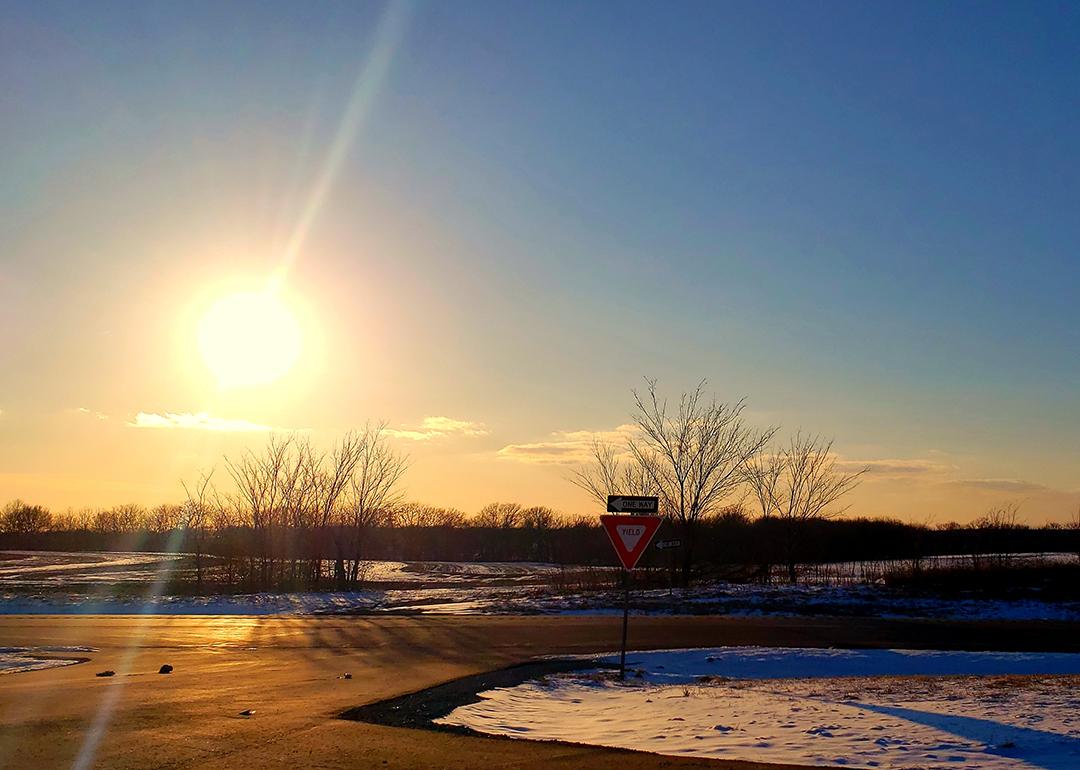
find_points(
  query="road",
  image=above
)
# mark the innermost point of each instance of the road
(288, 669)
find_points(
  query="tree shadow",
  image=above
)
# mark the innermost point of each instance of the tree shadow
(1058, 752)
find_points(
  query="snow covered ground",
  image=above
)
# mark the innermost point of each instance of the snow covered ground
(37, 582)
(57, 569)
(16, 659)
(50, 569)
(890, 709)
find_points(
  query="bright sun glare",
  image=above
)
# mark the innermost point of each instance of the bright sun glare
(249, 338)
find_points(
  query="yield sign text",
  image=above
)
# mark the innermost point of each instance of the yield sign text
(630, 536)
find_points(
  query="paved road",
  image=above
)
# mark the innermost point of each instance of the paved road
(288, 669)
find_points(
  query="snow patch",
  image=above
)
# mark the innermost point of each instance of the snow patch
(14, 660)
(891, 709)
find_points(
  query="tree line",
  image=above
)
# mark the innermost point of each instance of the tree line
(734, 544)
(294, 516)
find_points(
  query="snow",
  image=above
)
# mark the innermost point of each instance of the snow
(689, 666)
(14, 660)
(45, 569)
(890, 709)
(38, 582)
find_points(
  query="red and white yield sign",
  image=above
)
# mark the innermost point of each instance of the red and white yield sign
(630, 535)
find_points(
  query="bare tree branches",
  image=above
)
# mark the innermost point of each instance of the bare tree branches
(694, 456)
(762, 474)
(614, 471)
(799, 483)
(499, 516)
(291, 488)
(195, 514)
(811, 480)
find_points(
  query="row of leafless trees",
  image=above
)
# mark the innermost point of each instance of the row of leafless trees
(299, 513)
(18, 516)
(290, 514)
(701, 454)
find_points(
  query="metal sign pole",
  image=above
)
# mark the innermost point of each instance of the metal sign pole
(625, 618)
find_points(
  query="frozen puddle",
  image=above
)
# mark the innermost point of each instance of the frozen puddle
(16, 659)
(899, 709)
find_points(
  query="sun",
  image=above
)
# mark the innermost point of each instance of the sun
(249, 339)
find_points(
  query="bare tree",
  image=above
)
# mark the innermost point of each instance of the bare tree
(539, 517)
(412, 514)
(374, 490)
(26, 519)
(329, 483)
(612, 471)
(261, 482)
(499, 516)
(195, 519)
(994, 541)
(128, 517)
(693, 456)
(763, 473)
(164, 518)
(1000, 517)
(809, 485)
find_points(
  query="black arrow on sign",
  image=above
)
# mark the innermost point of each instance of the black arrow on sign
(632, 504)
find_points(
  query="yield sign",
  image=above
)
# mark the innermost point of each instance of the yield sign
(630, 535)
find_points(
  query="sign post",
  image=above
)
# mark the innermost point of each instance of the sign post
(630, 536)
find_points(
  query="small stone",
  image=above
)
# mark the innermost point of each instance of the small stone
(247, 713)
(105, 673)
(348, 676)
(165, 669)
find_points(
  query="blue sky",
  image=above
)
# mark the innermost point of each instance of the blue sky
(862, 216)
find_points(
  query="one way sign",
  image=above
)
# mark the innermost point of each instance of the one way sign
(633, 504)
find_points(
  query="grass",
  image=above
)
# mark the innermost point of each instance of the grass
(992, 580)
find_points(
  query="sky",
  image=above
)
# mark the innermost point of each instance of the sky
(488, 222)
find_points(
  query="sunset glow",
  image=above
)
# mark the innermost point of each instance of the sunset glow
(379, 375)
(369, 214)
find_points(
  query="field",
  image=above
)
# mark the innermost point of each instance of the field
(37, 582)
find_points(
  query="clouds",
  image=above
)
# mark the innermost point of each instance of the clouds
(565, 447)
(897, 468)
(432, 428)
(91, 413)
(942, 474)
(1011, 486)
(196, 421)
